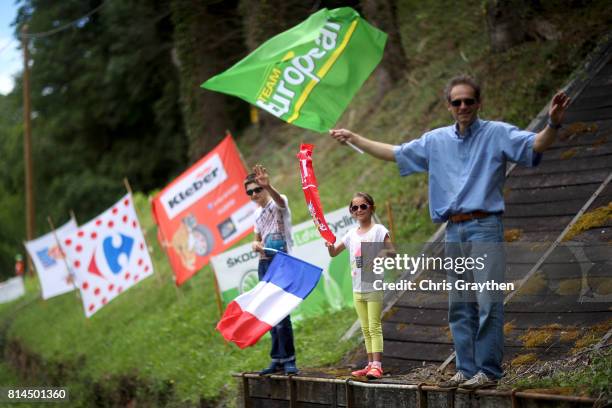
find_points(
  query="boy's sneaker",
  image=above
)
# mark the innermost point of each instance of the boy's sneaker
(362, 372)
(375, 372)
(271, 369)
(480, 380)
(290, 368)
(454, 381)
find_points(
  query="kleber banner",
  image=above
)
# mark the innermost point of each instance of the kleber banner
(53, 274)
(307, 75)
(236, 269)
(204, 211)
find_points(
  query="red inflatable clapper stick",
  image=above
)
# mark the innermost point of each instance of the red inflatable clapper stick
(311, 192)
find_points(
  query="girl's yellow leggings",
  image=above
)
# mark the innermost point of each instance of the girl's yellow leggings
(369, 309)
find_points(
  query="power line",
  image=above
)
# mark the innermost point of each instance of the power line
(5, 47)
(61, 28)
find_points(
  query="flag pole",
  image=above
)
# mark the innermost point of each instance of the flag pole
(358, 150)
(126, 183)
(27, 146)
(59, 245)
(217, 291)
(218, 297)
(390, 217)
(165, 244)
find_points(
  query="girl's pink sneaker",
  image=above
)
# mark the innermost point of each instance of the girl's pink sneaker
(362, 372)
(375, 372)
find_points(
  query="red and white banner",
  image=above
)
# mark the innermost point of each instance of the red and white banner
(107, 255)
(311, 192)
(204, 211)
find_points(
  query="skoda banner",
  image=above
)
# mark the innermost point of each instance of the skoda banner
(236, 270)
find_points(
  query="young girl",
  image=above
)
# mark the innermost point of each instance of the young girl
(368, 302)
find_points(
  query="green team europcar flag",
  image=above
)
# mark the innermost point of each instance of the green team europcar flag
(307, 75)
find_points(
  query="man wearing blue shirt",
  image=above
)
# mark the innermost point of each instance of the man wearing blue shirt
(466, 163)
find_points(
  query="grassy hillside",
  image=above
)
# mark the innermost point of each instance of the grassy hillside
(157, 343)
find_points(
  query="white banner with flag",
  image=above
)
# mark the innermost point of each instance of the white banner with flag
(55, 278)
(236, 269)
(108, 255)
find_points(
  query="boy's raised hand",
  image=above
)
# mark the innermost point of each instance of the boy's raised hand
(261, 176)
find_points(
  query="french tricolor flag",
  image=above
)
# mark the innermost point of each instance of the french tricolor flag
(248, 317)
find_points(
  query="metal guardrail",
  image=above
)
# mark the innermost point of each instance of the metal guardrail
(421, 389)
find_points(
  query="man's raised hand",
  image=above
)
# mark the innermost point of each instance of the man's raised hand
(558, 105)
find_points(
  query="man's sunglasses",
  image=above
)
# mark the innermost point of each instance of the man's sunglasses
(467, 101)
(255, 190)
(354, 208)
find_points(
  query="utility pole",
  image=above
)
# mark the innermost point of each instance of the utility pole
(27, 142)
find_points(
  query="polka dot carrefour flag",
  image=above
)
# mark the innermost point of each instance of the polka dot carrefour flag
(108, 255)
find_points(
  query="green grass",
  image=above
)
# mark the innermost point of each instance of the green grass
(591, 379)
(158, 342)
(156, 336)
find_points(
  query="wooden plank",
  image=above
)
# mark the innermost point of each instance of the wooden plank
(417, 351)
(411, 351)
(603, 200)
(266, 387)
(594, 91)
(590, 115)
(434, 317)
(537, 224)
(391, 398)
(590, 102)
(398, 366)
(565, 253)
(602, 146)
(557, 304)
(315, 392)
(599, 234)
(424, 316)
(594, 162)
(547, 195)
(557, 208)
(602, 78)
(417, 333)
(267, 403)
(512, 337)
(574, 178)
(364, 397)
(441, 335)
(550, 302)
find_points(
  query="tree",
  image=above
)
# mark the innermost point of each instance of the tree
(12, 221)
(383, 14)
(105, 102)
(208, 39)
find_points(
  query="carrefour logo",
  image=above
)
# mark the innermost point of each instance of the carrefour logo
(197, 183)
(112, 256)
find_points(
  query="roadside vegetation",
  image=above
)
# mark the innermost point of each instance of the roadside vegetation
(157, 345)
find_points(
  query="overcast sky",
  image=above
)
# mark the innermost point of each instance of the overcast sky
(10, 55)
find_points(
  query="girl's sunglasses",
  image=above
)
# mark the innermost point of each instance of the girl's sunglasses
(363, 207)
(255, 190)
(468, 102)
